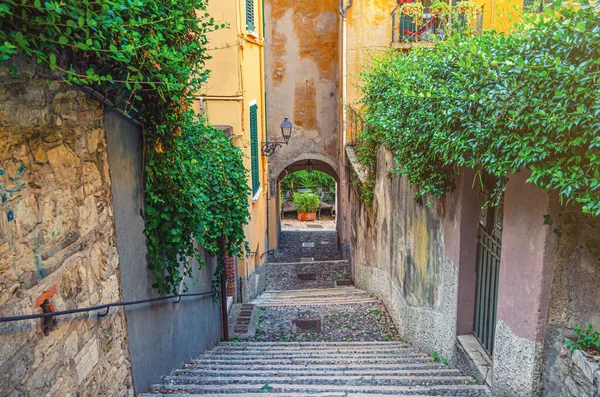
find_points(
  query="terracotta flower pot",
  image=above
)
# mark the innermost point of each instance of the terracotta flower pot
(307, 217)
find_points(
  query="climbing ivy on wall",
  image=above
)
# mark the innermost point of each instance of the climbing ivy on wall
(148, 57)
(496, 102)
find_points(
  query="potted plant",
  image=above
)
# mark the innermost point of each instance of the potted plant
(413, 10)
(439, 8)
(307, 205)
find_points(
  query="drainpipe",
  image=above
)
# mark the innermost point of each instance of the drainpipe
(343, 14)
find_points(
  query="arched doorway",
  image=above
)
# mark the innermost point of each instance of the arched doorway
(275, 205)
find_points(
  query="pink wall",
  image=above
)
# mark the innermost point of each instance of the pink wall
(460, 239)
(528, 252)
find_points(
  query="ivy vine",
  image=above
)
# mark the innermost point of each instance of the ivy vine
(148, 56)
(496, 102)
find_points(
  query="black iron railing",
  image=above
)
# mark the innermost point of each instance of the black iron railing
(106, 308)
(354, 124)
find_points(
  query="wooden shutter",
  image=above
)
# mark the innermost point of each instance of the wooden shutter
(250, 15)
(254, 149)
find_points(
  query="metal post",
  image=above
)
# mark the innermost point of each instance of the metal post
(221, 264)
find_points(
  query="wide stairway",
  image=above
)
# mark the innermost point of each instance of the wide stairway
(312, 334)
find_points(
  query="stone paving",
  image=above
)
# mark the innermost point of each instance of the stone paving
(308, 337)
(325, 223)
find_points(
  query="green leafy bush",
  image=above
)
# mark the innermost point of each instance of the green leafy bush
(306, 203)
(586, 338)
(496, 102)
(313, 180)
(148, 57)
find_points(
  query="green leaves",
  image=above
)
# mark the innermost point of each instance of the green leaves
(306, 203)
(585, 338)
(148, 57)
(494, 102)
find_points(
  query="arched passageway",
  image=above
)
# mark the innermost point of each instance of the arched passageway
(277, 199)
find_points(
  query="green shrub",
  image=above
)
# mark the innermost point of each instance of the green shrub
(498, 103)
(306, 203)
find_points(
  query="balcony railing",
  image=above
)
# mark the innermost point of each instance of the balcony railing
(431, 28)
(354, 124)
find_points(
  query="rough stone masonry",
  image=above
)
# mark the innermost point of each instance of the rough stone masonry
(57, 243)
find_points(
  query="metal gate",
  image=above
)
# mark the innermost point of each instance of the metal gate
(488, 268)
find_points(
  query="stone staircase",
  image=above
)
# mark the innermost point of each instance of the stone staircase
(316, 369)
(308, 336)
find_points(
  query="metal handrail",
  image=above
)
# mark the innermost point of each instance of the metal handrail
(103, 307)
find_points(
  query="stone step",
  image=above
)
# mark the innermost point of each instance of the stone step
(315, 367)
(318, 303)
(328, 357)
(314, 292)
(312, 394)
(332, 354)
(313, 353)
(431, 390)
(322, 372)
(316, 344)
(248, 395)
(390, 380)
(315, 360)
(308, 298)
(331, 262)
(294, 349)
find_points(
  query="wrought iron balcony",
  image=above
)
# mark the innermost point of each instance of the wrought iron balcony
(408, 31)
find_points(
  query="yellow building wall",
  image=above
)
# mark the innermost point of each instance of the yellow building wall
(236, 81)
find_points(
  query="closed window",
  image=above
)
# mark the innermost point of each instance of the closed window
(250, 15)
(254, 159)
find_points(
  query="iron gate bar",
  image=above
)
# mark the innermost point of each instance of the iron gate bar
(488, 267)
(102, 307)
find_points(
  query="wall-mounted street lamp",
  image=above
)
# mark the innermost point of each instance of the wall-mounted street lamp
(268, 148)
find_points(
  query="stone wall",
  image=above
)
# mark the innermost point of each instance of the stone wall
(57, 243)
(574, 296)
(579, 375)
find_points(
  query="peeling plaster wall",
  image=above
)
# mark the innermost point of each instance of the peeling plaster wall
(399, 255)
(302, 80)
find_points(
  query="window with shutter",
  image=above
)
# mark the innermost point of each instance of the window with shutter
(254, 159)
(250, 15)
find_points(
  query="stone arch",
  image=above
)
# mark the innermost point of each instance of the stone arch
(316, 162)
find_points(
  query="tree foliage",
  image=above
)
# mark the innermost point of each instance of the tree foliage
(147, 56)
(496, 102)
(313, 180)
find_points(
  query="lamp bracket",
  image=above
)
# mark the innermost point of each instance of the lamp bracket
(269, 147)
